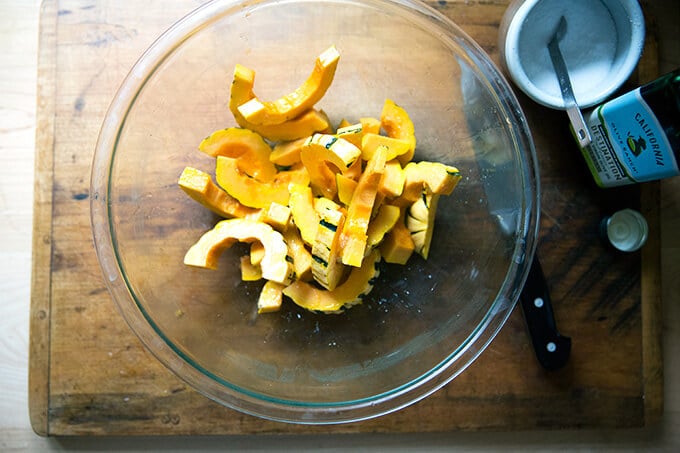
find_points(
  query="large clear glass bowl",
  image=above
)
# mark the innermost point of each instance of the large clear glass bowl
(423, 323)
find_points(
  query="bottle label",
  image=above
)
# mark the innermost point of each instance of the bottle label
(629, 145)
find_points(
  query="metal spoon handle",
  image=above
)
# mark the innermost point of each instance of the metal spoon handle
(573, 111)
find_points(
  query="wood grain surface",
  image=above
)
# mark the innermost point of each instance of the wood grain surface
(81, 407)
(90, 375)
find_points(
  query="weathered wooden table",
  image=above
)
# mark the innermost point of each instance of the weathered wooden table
(90, 375)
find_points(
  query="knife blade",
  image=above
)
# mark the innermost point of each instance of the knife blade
(498, 175)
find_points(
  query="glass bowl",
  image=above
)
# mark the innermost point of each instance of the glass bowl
(424, 322)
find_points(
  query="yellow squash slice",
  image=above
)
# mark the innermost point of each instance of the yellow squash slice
(302, 258)
(397, 246)
(358, 284)
(353, 239)
(395, 146)
(383, 222)
(250, 272)
(303, 98)
(271, 297)
(318, 152)
(249, 147)
(370, 125)
(254, 193)
(302, 210)
(346, 186)
(397, 124)
(277, 215)
(354, 171)
(199, 186)
(392, 182)
(304, 125)
(256, 253)
(206, 252)
(433, 177)
(326, 269)
(420, 222)
(354, 133)
(287, 153)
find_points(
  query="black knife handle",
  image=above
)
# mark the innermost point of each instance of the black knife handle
(552, 349)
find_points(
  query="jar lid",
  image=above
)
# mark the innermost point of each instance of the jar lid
(626, 230)
(601, 47)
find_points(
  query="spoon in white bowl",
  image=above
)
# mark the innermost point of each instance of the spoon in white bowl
(573, 111)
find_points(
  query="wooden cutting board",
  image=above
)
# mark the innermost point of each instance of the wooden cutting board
(89, 375)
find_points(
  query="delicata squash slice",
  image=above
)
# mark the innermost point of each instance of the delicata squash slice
(206, 252)
(420, 222)
(321, 208)
(199, 186)
(351, 292)
(326, 268)
(323, 149)
(397, 124)
(302, 126)
(354, 232)
(254, 193)
(248, 146)
(300, 100)
(432, 177)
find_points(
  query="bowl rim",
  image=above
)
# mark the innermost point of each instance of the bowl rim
(284, 410)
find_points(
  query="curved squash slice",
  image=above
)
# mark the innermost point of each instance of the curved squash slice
(323, 203)
(321, 150)
(206, 252)
(254, 193)
(251, 149)
(383, 222)
(396, 123)
(277, 215)
(392, 182)
(287, 153)
(353, 239)
(256, 253)
(420, 222)
(302, 258)
(370, 125)
(354, 170)
(304, 125)
(438, 178)
(295, 103)
(354, 133)
(432, 177)
(351, 292)
(326, 269)
(301, 204)
(395, 146)
(199, 186)
(397, 246)
(346, 186)
(250, 272)
(271, 297)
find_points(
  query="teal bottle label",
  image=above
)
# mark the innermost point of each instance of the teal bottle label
(629, 145)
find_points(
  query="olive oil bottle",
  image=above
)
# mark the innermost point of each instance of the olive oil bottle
(636, 136)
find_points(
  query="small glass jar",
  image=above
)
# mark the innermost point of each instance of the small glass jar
(625, 230)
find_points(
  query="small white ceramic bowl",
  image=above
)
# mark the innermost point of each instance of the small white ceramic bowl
(601, 47)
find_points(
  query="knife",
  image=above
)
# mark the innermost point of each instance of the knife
(497, 170)
(552, 349)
